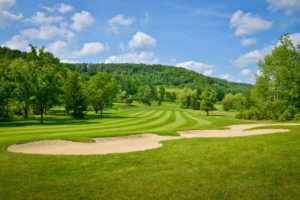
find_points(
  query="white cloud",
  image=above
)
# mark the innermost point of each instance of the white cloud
(61, 49)
(64, 8)
(295, 38)
(17, 42)
(58, 48)
(47, 32)
(141, 39)
(247, 23)
(119, 21)
(199, 67)
(91, 48)
(81, 20)
(41, 19)
(68, 61)
(251, 58)
(61, 8)
(289, 6)
(227, 77)
(142, 57)
(246, 72)
(145, 19)
(248, 41)
(6, 4)
(208, 72)
(5, 15)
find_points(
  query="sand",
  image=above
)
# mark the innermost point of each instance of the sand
(140, 142)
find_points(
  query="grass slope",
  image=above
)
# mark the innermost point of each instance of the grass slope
(257, 167)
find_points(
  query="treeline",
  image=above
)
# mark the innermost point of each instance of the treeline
(276, 94)
(33, 82)
(131, 76)
(198, 99)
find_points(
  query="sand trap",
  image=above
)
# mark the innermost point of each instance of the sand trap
(124, 144)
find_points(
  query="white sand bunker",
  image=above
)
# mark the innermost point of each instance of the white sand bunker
(124, 144)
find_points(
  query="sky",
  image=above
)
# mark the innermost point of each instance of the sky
(223, 39)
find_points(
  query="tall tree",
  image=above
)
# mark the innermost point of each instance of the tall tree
(101, 91)
(46, 79)
(75, 99)
(22, 79)
(144, 94)
(208, 99)
(279, 84)
(186, 98)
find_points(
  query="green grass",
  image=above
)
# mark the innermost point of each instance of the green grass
(256, 167)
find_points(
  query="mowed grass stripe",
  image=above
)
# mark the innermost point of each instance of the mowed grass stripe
(177, 121)
(99, 120)
(133, 129)
(200, 122)
(88, 130)
(38, 129)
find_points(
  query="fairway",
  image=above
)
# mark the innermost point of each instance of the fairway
(230, 168)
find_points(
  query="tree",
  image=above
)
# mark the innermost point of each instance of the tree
(75, 99)
(278, 86)
(186, 98)
(161, 93)
(208, 99)
(22, 79)
(195, 99)
(101, 91)
(228, 102)
(46, 79)
(6, 88)
(144, 94)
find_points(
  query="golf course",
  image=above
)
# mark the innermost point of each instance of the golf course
(253, 167)
(149, 100)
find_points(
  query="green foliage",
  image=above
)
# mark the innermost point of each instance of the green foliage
(131, 76)
(276, 92)
(144, 94)
(208, 99)
(101, 91)
(75, 99)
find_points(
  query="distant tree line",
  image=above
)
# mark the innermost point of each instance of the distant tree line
(132, 76)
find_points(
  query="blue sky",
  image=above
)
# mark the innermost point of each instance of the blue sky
(217, 38)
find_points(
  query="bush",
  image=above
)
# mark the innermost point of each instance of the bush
(297, 117)
(288, 114)
(253, 113)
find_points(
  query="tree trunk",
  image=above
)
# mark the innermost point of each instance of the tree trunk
(207, 113)
(42, 114)
(26, 112)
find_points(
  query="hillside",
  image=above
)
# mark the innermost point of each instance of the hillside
(131, 76)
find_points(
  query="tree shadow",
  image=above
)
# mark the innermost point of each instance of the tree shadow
(60, 118)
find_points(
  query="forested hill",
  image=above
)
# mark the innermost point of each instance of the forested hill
(131, 76)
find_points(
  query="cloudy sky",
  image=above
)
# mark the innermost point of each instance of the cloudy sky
(217, 38)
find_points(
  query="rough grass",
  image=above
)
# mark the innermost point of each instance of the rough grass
(256, 167)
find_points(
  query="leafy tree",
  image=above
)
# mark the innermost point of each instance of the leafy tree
(46, 79)
(162, 93)
(101, 91)
(22, 79)
(75, 99)
(186, 98)
(208, 99)
(144, 94)
(277, 89)
(228, 102)
(195, 99)
(6, 88)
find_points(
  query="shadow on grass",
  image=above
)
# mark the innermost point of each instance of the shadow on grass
(57, 118)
